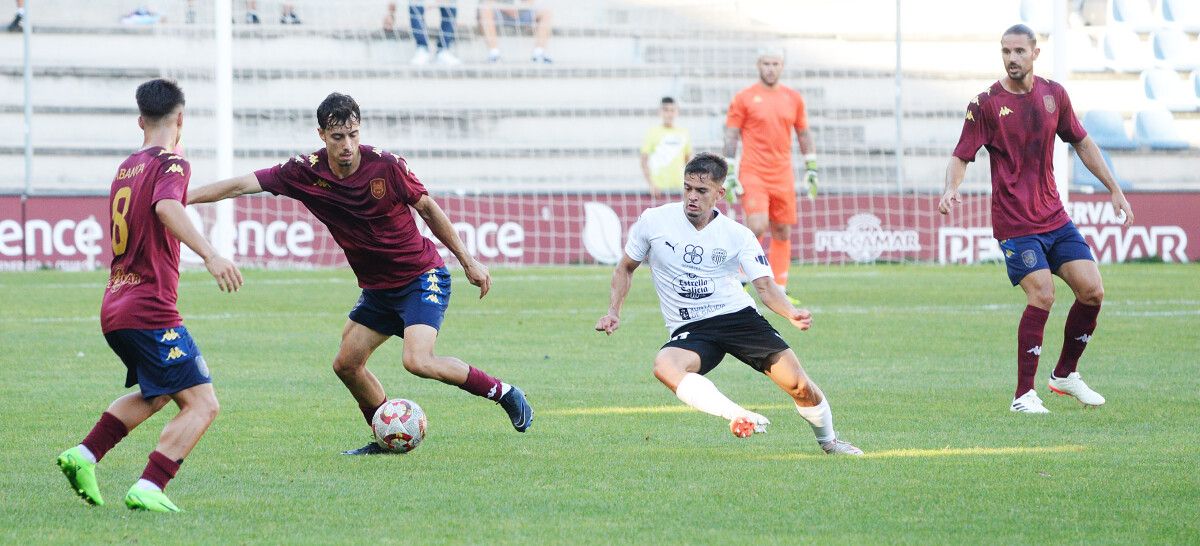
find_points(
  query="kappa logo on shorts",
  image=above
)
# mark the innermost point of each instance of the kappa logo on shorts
(432, 298)
(175, 353)
(1029, 258)
(378, 188)
(170, 335)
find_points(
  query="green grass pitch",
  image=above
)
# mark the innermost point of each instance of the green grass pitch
(917, 361)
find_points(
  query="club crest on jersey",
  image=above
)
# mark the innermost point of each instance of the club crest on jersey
(719, 256)
(1048, 102)
(378, 188)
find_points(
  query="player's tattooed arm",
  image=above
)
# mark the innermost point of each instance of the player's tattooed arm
(225, 189)
(439, 224)
(773, 297)
(1089, 153)
(955, 172)
(622, 279)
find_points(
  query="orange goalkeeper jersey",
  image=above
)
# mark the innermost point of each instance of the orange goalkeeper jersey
(766, 117)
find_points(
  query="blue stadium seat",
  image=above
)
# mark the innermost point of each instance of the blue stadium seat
(1163, 87)
(1172, 49)
(1124, 51)
(1156, 128)
(1182, 14)
(1107, 128)
(1132, 14)
(1081, 176)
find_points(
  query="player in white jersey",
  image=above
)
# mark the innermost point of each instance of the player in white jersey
(694, 253)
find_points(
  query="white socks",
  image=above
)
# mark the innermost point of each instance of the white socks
(698, 392)
(821, 419)
(504, 388)
(147, 485)
(87, 454)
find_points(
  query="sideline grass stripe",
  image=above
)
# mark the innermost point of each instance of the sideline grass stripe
(941, 452)
(641, 410)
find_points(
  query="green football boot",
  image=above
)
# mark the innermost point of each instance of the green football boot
(81, 474)
(149, 500)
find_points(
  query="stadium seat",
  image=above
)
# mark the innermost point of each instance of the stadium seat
(1038, 15)
(1172, 49)
(1194, 79)
(1082, 178)
(1163, 87)
(1107, 128)
(1124, 51)
(1134, 15)
(1084, 55)
(1156, 128)
(1181, 14)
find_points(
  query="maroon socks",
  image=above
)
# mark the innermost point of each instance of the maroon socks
(482, 384)
(369, 411)
(160, 470)
(1029, 346)
(108, 431)
(1081, 322)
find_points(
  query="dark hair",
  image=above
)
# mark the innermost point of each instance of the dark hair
(708, 163)
(337, 109)
(1022, 30)
(668, 100)
(158, 97)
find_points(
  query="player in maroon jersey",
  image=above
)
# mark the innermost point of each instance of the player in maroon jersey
(365, 196)
(138, 315)
(1016, 119)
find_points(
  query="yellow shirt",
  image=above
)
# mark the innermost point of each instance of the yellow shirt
(666, 149)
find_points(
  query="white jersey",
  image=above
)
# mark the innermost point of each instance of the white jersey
(695, 271)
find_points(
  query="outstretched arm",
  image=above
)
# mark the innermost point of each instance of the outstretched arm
(439, 224)
(622, 279)
(225, 189)
(173, 216)
(773, 297)
(955, 172)
(1089, 153)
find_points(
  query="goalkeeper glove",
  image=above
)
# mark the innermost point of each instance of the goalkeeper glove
(810, 176)
(733, 188)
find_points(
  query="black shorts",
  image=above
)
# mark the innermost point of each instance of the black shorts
(744, 334)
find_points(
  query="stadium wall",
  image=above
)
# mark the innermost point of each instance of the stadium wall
(71, 232)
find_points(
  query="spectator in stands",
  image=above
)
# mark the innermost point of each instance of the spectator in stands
(517, 14)
(287, 13)
(18, 19)
(416, 17)
(665, 150)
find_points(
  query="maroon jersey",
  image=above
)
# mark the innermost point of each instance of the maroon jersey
(144, 281)
(1018, 131)
(367, 212)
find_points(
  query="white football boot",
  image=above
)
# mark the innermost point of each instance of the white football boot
(840, 447)
(1029, 403)
(1073, 385)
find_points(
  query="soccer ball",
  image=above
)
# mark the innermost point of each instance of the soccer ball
(399, 425)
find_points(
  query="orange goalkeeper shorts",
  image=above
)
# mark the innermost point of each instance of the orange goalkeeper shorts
(775, 197)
